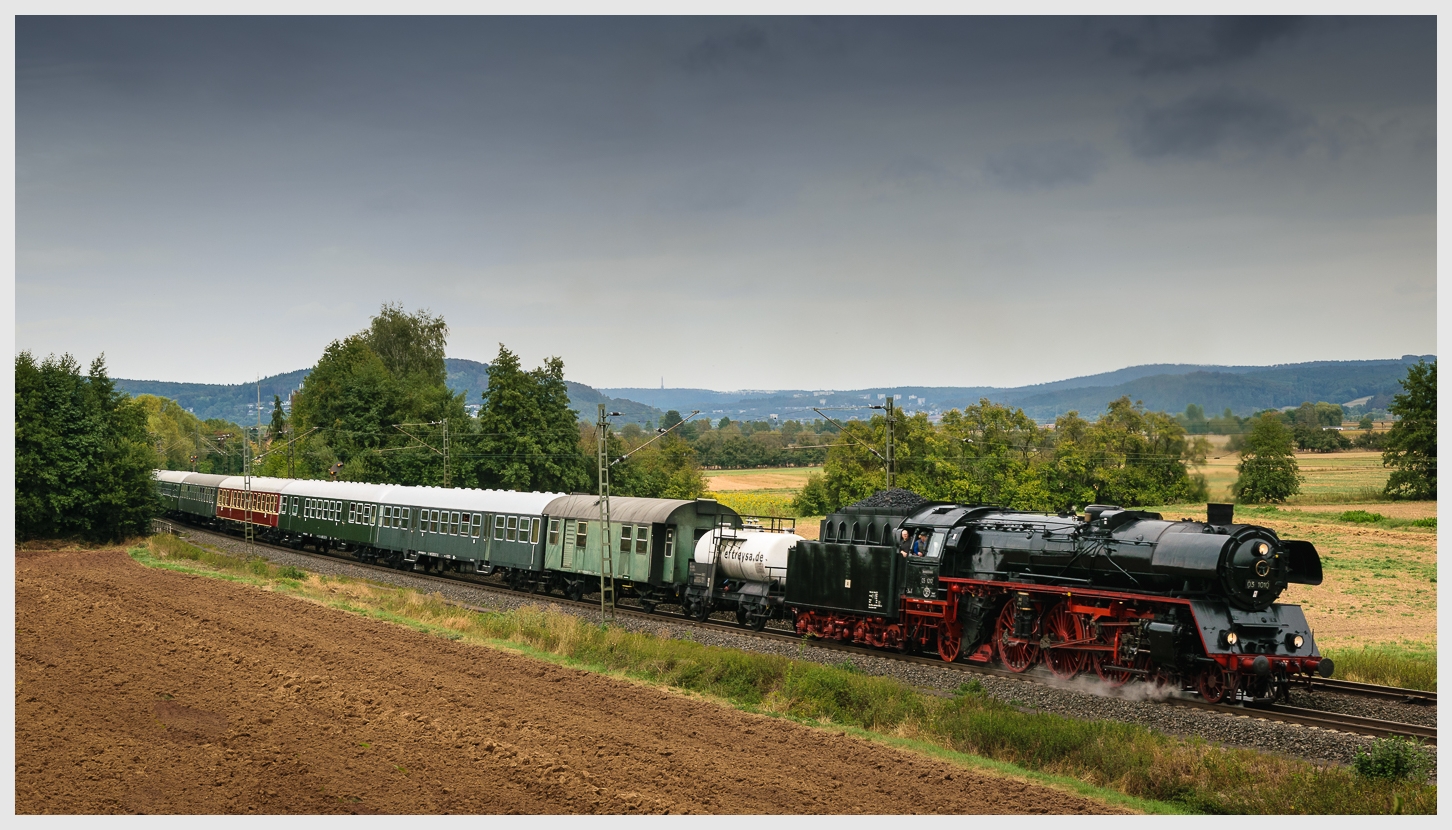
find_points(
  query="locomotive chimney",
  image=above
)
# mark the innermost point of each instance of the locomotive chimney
(1220, 514)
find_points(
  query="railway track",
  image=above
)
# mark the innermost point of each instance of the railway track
(1416, 697)
(1277, 712)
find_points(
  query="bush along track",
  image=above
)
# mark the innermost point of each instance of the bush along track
(1139, 768)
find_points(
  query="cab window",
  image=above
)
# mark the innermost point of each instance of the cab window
(935, 544)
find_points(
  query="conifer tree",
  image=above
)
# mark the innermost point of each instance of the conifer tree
(83, 459)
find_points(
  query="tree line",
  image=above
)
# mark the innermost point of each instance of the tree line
(376, 408)
(993, 454)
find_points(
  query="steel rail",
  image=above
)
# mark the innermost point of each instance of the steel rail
(1351, 687)
(1335, 721)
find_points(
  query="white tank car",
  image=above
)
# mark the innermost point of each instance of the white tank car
(751, 555)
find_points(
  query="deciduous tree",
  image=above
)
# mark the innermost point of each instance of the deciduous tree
(1267, 469)
(1411, 446)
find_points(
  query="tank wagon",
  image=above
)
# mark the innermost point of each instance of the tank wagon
(741, 569)
(1121, 593)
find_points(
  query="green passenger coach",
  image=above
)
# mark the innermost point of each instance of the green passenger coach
(652, 542)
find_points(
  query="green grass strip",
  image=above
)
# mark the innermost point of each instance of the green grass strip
(1119, 763)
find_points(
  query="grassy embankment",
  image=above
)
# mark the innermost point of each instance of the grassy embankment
(1375, 613)
(1118, 763)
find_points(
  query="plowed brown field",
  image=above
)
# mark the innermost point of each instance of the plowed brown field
(147, 691)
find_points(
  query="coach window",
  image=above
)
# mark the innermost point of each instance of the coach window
(625, 538)
(433, 521)
(498, 528)
(352, 512)
(534, 531)
(477, 519)
(511, 527)
(454, 523)
(670, 541)
(580, 534)
(642, 539)
(554, 531)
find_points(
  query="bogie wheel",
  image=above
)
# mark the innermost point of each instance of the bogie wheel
(1016, 656)
(1216, 684)
(701, 609)
(741, 615)
(950, 641)
(575, 591)
(1063, 626)
(757, 617)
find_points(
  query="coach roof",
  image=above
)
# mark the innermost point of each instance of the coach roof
(632, 509)
(487, 501)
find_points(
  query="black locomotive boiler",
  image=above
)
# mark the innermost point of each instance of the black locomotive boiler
(1124, 594)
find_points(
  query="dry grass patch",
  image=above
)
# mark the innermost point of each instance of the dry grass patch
(774, 478)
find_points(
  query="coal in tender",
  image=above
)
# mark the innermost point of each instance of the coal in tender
(891, 497)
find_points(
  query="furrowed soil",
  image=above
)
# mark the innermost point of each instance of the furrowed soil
(147, 691)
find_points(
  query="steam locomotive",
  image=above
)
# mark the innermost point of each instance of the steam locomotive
(1124, 594)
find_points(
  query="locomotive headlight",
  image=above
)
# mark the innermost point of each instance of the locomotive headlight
(1231, 638)
(1262, 549)
(1295, 641)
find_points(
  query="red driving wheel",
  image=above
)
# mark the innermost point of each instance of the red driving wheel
(1017, 655)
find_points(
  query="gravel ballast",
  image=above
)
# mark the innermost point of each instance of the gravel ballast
(1081, 698)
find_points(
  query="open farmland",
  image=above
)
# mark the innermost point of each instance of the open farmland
(1354, 476)
(140, 690)
(773, 478)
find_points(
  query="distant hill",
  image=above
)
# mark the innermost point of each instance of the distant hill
(472, 377)
(238, 403)
(1168, 387)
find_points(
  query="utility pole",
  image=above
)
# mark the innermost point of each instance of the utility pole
(247, 533)
(607, 559)
(889, 442)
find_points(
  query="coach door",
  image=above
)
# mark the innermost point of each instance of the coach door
(567, 553)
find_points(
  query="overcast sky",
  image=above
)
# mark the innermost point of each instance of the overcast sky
(729, 203)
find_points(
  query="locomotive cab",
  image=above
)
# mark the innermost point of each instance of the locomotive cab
(921, 578)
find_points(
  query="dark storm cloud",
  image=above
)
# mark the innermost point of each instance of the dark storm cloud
(1183, 45)
(1044, 166)
(746, 45)
(545, 181)
(1203, 124)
